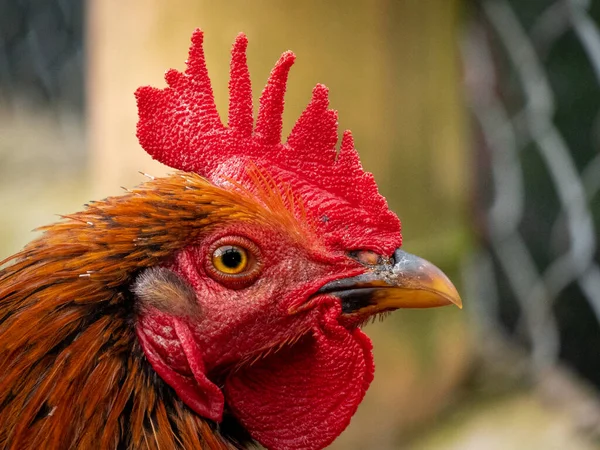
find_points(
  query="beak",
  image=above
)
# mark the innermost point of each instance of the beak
(405, 281)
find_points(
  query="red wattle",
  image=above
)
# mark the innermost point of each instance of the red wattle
(189, 380)
(303, 396)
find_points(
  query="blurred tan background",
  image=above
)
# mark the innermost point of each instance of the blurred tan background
(398, 76)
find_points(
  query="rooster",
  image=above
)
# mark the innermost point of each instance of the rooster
(219, 306)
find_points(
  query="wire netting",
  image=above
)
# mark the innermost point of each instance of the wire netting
(41, 88)
(533, 81)
(41, 53)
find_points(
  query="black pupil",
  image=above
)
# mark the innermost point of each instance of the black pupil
(232, 258)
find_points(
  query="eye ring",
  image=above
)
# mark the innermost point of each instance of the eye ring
(234, 261)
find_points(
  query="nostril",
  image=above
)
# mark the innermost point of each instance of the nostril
(366, 257)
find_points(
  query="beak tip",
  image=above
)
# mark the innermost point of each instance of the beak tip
(454, 297)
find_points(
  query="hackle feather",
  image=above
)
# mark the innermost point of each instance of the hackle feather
(71, 370)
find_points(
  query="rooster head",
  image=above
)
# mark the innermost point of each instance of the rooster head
(259, 316)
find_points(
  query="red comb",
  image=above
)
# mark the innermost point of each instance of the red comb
(180, 127)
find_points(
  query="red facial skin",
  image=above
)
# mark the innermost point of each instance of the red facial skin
(237, 320)
(240, 330)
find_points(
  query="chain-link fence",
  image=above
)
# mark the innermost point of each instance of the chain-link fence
(41, 87)
(41, 53)
(42, 138)
(533, 80)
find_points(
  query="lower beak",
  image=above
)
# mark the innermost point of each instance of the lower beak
(406, 281)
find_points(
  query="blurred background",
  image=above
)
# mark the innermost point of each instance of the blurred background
(480, 121)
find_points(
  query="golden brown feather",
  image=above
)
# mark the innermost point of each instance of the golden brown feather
(71, 371)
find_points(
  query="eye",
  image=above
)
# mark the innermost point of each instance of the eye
(230, 259)
(234, 261)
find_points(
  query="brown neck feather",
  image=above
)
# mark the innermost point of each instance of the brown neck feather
(72, 374)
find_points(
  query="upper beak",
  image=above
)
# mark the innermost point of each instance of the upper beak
(405, 281)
